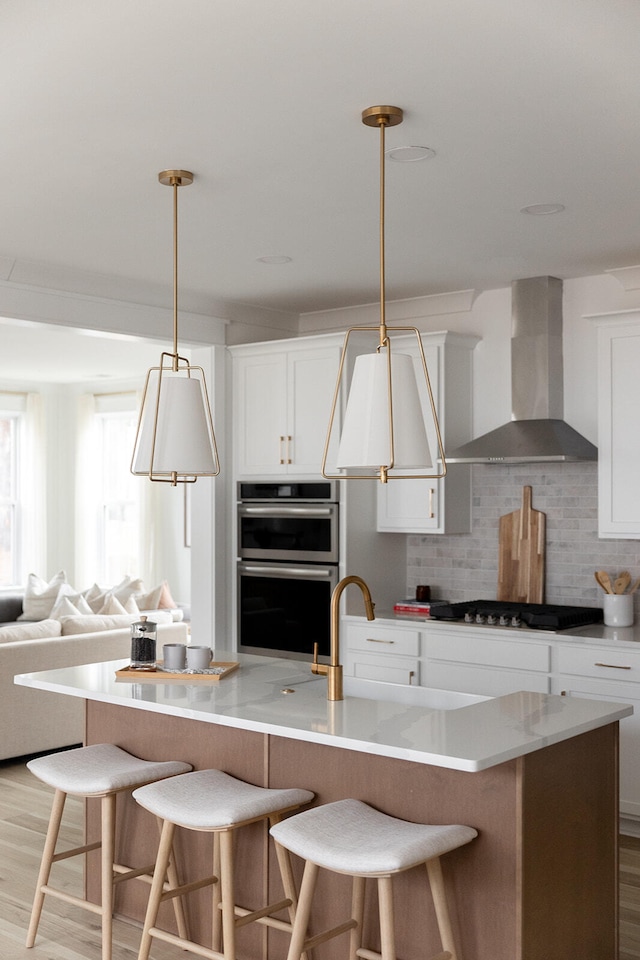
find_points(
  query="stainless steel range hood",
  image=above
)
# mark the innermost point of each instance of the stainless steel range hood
(536, 431)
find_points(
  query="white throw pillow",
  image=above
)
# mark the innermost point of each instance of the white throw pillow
(30, 631)
(70, 606)
(40, 596)
(157, 599)
(127, 588)
(111, 607)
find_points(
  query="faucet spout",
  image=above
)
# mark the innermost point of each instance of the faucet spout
(333, 670)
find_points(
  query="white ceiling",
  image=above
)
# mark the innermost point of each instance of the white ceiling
(523, 102)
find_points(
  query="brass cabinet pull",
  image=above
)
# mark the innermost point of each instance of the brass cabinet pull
(612, 666)
(282, 460)
(375, 640)
(411, 676)
(431, 496)
(288, 440)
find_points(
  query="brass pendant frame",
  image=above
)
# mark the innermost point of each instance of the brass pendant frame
(382, 474)
(173, 362)
(382, 117)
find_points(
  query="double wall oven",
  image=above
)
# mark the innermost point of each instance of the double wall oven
(288, 555)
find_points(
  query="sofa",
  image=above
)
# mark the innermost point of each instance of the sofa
(33, 721)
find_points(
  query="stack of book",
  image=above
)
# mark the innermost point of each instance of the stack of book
(421, 608)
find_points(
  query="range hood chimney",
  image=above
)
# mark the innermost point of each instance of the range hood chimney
(536, 431)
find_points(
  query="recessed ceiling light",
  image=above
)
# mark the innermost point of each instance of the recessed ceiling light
(542, 209)
(410, 154)
(280, 259)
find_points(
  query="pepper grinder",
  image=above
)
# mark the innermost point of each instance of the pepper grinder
(143, 645)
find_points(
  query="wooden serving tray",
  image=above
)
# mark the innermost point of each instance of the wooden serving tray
(139, 676)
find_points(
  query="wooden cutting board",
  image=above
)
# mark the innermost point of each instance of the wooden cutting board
(521, 553)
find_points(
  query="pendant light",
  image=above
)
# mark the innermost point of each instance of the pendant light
(175, 442)
(386, 425)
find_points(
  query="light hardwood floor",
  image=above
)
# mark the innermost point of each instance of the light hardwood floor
(67, 933)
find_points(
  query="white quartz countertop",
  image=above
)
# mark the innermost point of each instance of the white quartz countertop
(281, 697)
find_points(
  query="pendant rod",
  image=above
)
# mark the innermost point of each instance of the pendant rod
(383, 320)
(175, 185)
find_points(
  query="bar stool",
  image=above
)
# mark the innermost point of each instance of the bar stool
(352, 838)
(102, 770)
(212, 801)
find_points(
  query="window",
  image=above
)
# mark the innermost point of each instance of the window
(109, 499)
(119, 516)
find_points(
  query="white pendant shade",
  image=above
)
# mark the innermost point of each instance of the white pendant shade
(184, 442)
(365, 440)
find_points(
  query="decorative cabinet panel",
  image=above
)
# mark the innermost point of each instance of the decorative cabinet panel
(618, 442)
(437, 506)
(473, 663)
(281, 403)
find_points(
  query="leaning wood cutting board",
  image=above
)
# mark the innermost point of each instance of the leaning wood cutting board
(521, 553)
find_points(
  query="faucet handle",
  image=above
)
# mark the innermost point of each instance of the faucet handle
(317, 668)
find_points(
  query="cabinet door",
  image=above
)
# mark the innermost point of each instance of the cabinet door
(629, 730)
(260, 414)
(618, 447)
(436, 506)
(311, 378)
(377, 651)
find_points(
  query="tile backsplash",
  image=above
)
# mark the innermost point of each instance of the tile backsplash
(465, 566)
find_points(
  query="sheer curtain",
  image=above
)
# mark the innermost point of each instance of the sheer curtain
(87, 502)
(33, 484)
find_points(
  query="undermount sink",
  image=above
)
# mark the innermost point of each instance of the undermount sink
(428, 697)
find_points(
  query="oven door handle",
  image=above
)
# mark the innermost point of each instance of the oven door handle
(309, 573)
(246, 511)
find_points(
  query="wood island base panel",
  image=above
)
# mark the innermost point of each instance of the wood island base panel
(539, 882)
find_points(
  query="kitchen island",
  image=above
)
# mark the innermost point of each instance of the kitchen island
(535, 774)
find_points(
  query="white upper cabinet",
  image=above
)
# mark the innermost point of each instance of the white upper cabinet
(437, 506)
(282, 393)
(618, 434)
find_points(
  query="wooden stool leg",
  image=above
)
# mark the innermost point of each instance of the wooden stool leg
(436, 881)
(301, 923)
(45, 864)
(178, 906)
(227, 883)
(288, 883)
(387, 934)
(216, 919)
(106, 871)
(357, 913)
(157, 886)
(172, 878)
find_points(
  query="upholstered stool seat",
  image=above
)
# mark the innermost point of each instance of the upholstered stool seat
(212, 801)
(352, 838)
(102, 770)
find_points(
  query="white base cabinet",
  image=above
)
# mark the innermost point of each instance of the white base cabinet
(375, 651)
(493, 663)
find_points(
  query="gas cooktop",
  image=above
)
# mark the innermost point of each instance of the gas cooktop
(541, 616)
